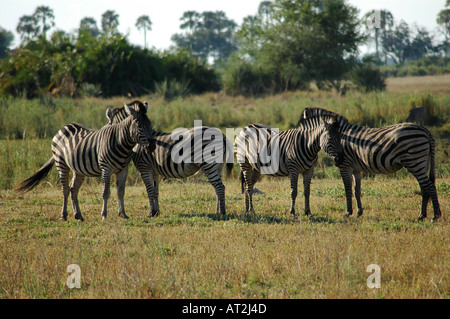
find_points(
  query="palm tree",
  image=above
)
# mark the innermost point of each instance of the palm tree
(380, 30)
(144, 22)
(89, 25)
(443, 20)
(191, 19)
(265, 9)
(27, 27)
(110, 22)
(45, 15)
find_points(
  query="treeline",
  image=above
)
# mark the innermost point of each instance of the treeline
(284, 46)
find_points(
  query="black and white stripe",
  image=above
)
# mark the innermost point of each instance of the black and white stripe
(161, 162)
(88, 153)
(298, 153)
(383, 151)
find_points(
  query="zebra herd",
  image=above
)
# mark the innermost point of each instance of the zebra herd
(129, 136)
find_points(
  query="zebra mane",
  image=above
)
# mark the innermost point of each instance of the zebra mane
(312, 112)
(118, 114)
(306, 119)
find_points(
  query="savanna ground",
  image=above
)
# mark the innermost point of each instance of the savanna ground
(190, 252)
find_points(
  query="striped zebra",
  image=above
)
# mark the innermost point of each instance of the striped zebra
(91, 153)
(298, 153)
(161, 162)
(383, 151)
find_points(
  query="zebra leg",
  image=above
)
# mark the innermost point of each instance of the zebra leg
(121, 178)
(307, 176)
(358, 192)
(106, 181)
(213, 172)
(347, 178)
(64, 171)
(77, 181)
(428, 190)
(293, 175)
(247, 177)
(250, 176)
(150, 187)
(156, 196)
(435, 201)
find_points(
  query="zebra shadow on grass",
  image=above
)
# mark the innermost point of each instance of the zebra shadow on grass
(241, 217)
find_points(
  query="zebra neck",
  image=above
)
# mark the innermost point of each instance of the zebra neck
(124, 133)
(348, 130)
(311, 137)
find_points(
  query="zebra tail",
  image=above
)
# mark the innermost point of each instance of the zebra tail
(241, 177)
(30, 183)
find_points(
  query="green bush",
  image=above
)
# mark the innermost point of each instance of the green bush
(434, 114)
(367, 78)
(240, 77)
(110, 64)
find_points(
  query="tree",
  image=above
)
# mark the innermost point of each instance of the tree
(27, 28)
(208, 34)
(311, 40)
(398, 42)
(265, 9)
(110, 22)
(45, 16)
(379, 28)
(443, 20)
(190, 20)
(6, 38)
(89, 25)
(421, 44)
(401, 44)
(144, 22)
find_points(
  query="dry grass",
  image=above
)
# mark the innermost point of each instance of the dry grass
(189, 252)
(436, 84)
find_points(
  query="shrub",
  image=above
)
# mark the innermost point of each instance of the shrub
(240, 77)
(431, 106)
(367, 78)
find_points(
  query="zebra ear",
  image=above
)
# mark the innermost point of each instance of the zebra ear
(109, 115)
(146, 105)
(127, 109)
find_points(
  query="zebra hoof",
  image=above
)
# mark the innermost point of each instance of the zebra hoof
(154, 213)
(123, 215)
(435, 218)
(79, 217)
(421, 218)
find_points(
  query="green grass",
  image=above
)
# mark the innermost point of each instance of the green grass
(190, 252)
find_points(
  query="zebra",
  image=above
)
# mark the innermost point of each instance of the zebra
(298, 153)
(90, 153)
(160, 163)
(383, 151)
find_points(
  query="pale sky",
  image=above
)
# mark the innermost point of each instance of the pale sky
(165, 14)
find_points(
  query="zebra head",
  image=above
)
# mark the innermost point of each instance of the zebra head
(330, 140)
(141, 127)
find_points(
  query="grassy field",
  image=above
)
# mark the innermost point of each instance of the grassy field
(190, 252)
